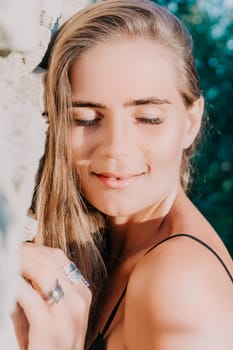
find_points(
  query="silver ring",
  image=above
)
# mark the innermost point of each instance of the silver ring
(74, 274)
(55, 295)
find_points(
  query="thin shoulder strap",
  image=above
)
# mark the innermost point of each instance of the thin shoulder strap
(199, 241)
(113, 313)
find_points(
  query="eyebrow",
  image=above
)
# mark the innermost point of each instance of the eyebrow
(131, 103)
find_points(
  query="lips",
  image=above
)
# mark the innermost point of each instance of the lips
(117, 180)
(117, 176)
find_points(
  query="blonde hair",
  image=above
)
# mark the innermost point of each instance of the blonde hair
(66, 220)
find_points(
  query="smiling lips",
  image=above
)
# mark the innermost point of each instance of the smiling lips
(117, 180)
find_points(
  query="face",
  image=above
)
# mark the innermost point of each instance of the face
(130, 126)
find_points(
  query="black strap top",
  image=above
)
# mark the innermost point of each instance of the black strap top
(99, 343)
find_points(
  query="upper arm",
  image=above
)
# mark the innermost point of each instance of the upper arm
(179, 297)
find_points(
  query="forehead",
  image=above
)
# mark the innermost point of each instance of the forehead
(120, 70)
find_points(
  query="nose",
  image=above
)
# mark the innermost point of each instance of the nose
(117, 139)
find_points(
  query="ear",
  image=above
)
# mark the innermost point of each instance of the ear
(194, 113)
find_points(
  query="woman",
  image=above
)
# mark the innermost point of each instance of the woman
(125, 111)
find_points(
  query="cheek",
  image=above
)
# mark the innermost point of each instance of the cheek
(82, 146)
(79, 153)
(165, 148)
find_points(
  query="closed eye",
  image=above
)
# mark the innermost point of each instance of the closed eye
(151, 121)
(86, 122)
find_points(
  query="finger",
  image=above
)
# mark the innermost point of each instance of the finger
(46, 330)
(21, 326)
(32, 303)
(46, 320)
(42, 266)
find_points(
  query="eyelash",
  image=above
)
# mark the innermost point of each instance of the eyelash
(86, 123)
(151, 121)
(94, 122)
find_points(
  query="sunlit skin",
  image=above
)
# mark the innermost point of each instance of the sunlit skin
(130, 128)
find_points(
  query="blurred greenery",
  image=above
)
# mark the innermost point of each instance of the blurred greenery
(211, 26)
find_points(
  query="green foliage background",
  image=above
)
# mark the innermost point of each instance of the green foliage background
(212, 31)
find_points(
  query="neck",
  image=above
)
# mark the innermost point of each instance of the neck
(135, 233)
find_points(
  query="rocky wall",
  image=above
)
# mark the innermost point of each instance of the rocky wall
(25, 31)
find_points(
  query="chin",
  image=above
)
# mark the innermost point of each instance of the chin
(118, 210)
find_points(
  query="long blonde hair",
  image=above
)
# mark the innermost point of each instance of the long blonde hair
(66, 220)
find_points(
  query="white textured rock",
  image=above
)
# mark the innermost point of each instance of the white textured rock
(19, 24)
(25, 31)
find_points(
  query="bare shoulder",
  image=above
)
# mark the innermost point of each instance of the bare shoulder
(179, 296)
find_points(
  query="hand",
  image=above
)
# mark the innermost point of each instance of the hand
(51, 326)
